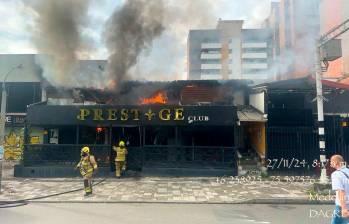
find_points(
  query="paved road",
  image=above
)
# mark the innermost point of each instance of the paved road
(164, 213)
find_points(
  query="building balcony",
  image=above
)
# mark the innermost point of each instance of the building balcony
(211, 46)
(254, 55)
(211, 66)
(255, 45)
(255, 66)
(210, 56)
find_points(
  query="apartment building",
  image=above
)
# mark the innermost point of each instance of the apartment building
(230, 52)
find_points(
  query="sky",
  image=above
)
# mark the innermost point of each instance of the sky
(170, 47)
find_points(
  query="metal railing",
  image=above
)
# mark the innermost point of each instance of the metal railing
(179, 156)
(182, 156)
(62, 154)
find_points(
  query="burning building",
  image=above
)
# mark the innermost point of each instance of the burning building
(180, 125)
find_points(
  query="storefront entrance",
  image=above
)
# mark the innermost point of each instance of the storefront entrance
(179, 137)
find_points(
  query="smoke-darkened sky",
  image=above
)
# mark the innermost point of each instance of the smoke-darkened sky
(165, 56)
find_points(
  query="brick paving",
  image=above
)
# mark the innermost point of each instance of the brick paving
(152, 189)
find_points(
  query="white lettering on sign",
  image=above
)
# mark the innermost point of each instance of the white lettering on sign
(192, 119)
(8, 119)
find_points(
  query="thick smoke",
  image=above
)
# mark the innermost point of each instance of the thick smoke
(170, 62)
(297, 38)
(56, 34)
(130, 30)
(145, 39)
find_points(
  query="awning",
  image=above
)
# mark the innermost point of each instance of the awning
(250, 114)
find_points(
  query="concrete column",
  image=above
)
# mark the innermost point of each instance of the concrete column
(236, 58)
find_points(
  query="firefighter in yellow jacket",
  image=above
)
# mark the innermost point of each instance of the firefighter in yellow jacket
(87, 166)
(120, 159)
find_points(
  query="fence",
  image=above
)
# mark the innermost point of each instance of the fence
(337, 137)
(292, 149)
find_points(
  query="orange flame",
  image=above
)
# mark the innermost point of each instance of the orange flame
(99, 129)
(158, 98)
(111, 84)
(331, 18)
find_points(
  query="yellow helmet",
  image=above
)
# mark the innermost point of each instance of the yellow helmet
(85, 149)
(121, 143)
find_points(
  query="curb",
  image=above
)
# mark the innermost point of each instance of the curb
(302, 201)
(248, 201)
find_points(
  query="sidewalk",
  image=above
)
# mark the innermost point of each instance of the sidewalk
(188, 190)
(160, 190)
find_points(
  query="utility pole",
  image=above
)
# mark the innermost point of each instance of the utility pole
(3, 116)
(330, 35)
(320, 114)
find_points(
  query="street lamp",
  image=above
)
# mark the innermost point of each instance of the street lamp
(3, 114)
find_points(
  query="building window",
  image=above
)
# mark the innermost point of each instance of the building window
(210, 61)
(255, 60)
(20, 95)
(254, 50)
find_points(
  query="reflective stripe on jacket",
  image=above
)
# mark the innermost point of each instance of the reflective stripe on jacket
(120, 153)
(86, 165)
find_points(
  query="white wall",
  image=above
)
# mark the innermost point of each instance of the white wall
(257, 101)
(254, 45)
(211, 45)
(211, 76)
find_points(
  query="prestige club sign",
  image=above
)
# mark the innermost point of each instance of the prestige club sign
(114, 114)
(119, 115)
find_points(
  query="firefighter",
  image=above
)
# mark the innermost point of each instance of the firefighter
(87, 167)
(120, 159)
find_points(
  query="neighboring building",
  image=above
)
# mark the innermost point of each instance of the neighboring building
(23, 85)
(333, 13)
(273, 23)
(230, 52)
(296, 26)
(291, 130)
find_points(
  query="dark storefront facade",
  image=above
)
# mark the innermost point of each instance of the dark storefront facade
(292, 128)
(181, 138)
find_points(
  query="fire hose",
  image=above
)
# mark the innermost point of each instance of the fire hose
(26, 201)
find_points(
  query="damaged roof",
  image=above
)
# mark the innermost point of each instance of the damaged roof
(130, 92)
(251, 114)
